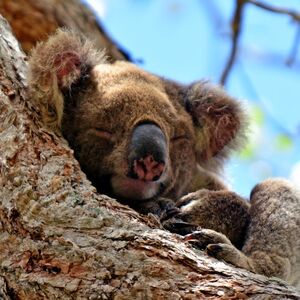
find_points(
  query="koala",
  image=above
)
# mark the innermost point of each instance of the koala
(272, 239)
(159, 147)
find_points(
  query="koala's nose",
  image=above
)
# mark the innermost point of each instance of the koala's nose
(147, 152)
(148, 169)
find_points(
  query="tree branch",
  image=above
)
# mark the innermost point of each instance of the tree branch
(279, 10)
(236, 26)
(34, 20)
(294, 49)
(60, 239)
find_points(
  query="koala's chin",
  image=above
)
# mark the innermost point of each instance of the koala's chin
(136, 189)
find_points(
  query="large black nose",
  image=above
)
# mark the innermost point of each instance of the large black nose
(147, 152)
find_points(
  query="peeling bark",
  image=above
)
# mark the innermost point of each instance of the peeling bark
(62, 240)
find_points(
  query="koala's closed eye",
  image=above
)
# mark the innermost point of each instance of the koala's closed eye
(179, 137)
(179, 134)
(103, 133)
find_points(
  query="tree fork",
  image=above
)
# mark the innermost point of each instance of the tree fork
(59, 239)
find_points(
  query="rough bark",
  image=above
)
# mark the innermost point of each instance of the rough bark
(33, 20)
(59, 239)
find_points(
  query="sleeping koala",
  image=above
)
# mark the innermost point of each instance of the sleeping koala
(158, 146)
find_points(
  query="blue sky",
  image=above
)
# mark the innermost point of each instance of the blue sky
(190, 40)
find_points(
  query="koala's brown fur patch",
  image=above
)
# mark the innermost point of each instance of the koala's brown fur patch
(89, 98)
(55, 67)
(226, 205)
(148, 141)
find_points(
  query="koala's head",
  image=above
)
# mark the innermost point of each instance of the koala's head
(135, 135)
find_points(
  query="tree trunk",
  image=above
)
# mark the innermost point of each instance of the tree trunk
(34, 20)
(62, 240)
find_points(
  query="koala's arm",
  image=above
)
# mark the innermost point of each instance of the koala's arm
(219, 121)
(157, 206)
(272, 245)
(222, 211)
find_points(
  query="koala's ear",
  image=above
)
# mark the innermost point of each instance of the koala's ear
(219, 119)
(55, 66)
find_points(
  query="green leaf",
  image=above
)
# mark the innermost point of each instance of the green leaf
(247, 153)
(283, 142)
(257, 115)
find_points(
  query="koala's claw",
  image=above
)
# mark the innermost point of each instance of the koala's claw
(214, 249)
(225, 252)
(178, 226)
(204, 237)
(230, 254)
(170, 213)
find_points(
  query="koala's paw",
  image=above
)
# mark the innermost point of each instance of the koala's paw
(204, 237)
(159, 207)
(224, 252)
(230, 254)
(172, 221)
(178, 226)
(219, 246)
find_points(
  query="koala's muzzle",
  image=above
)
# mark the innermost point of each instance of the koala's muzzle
(147, 152)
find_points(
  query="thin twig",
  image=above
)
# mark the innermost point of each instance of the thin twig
(295, 15)
(236, 25)
(294, 50)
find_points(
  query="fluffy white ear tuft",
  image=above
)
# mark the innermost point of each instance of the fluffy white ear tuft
(55, 66)
(219, 119)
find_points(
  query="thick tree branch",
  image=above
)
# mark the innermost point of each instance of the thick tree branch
(35, 20)
(62, 240)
